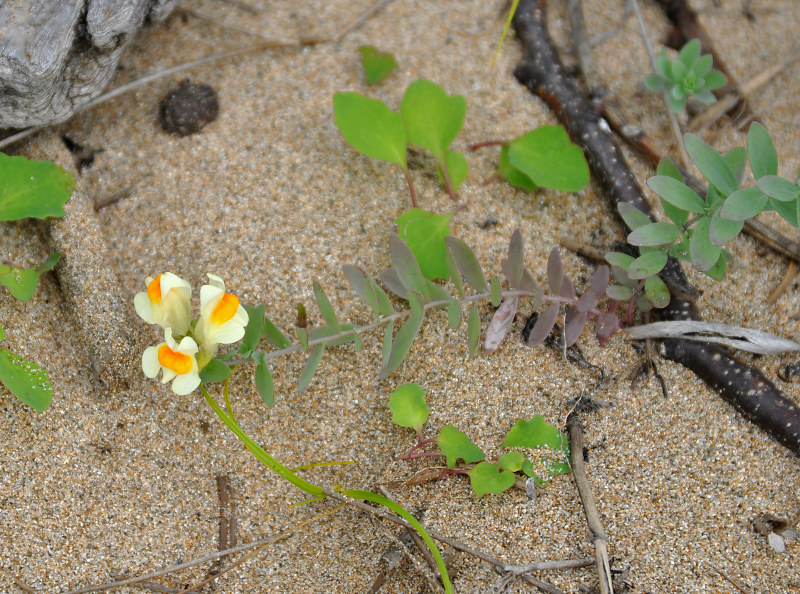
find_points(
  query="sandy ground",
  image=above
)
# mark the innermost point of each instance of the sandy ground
(118, 476)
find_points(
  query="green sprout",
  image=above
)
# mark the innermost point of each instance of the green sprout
(690, 75)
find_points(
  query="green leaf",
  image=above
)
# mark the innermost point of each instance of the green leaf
(736, 158)
(216, 371)
(715, 80)
(653, 83)
(743, 204)
(454, 445)
(513, 175)
(454, 314)
(496, 292)
(711, 163)
(467, 263)
(325, 308)
(788, 210)
(405, 336)
(761, 151)
(619, 292)
(549, 159)
(654, 234)
(778, 188)
(252, 332)
(647, 265)
(408, 407)
(371, 127)
(32, 188)
(310, 368)
(677, 193)
(656, 291)
(632, 216)
(302, 336)
(489, 478)
(377, 65)
(689, 53)
(21, 282)
(667, 166)
(702, 65)
(511, 461)
(2, 333)
(438, 293)
(536, 433)
(619, 259)
(721, 231)
(275, 337)
(718, 270)
(457, 168)
(473, 328)
(407, 268)
(25, 380)
(432, 118)
(263, 380)
(704, 254)
(48, 264)
(424, 233)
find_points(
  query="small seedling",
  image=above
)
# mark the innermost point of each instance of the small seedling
(377, 65)
(545, 444)
(690, 75)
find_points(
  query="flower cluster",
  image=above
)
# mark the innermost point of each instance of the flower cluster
(188, 346)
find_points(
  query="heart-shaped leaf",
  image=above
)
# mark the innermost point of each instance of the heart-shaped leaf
(432, 117)
(377, 65)
(489, 478)
(549, 159)
(26, 380)
(408, 406)
(371, 127)
(32, 188)
(424, 233)
(454, 445)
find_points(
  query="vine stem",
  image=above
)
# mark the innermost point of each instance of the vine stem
(399, 315)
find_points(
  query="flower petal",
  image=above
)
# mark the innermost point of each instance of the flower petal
(186, 384)
(150, 364)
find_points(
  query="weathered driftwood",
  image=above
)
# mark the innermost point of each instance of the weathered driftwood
(56, 55)
(741, 385)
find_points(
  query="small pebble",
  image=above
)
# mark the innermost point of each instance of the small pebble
(188, 108)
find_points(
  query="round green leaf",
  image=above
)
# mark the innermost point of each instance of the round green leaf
(377, 65)
(632, 216)
(32, 188)
(371, 127)
(408, 406)
(511, 461)
(216, 371)
(704, 254)
(432, 117)
(454, 445)
(26, 380)
(547, 157)
(619, 259)
(489, 478)
(535, 433)
(21, 282)
(656, 291)
(619, 292)
(721, 231)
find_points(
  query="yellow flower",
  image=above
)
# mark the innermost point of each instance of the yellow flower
(166, 303)
(176, 361)
(222, 319)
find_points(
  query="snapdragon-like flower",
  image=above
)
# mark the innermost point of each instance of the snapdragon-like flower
(222, 319)
(176, 361)
(166, 303)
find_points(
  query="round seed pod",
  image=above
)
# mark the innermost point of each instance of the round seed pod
(188, 108)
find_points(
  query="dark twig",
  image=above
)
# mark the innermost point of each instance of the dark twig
(744, 387)
(600, 540)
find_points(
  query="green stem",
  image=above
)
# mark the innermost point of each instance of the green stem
(400, 511)
(258, 451)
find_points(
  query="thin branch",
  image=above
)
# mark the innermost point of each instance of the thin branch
(600, 542)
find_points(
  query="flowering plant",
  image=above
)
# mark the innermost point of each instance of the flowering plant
(188, 345)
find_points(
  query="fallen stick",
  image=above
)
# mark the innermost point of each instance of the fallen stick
(742, 386)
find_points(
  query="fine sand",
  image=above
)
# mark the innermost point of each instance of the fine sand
(117, 478)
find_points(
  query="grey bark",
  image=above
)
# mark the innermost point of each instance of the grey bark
(56, 55)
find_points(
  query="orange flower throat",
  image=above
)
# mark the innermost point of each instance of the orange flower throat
(180, 363)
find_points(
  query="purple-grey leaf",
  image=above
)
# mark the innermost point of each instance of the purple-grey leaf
(407, 268)
(555, 271)
(607, 324)
(544, 325)
(392, 281)
(515, 262)
(467, 263)
(530, 285)
(500, 324)
(574, 321)
(567, 288)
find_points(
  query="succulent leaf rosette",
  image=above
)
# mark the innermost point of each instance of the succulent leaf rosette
(188, 345)
(690, 75)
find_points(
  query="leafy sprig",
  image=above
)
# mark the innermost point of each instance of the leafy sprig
(534, 446)
(690, 75)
